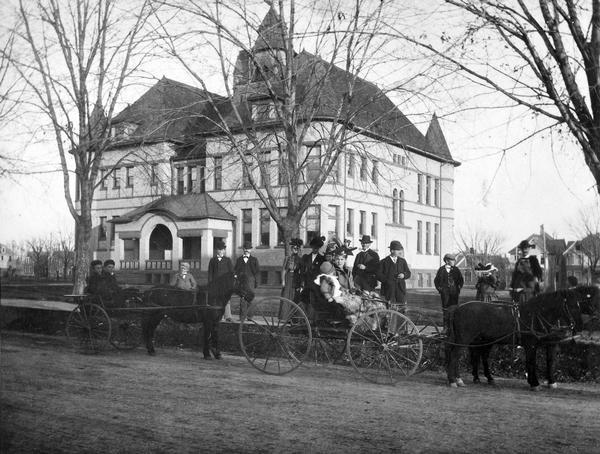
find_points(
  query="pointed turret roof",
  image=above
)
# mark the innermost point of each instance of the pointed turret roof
(271, 32)
(436, 138)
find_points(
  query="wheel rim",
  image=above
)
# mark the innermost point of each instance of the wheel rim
(88, 327)
(275, 335)
(126, 334)
(384, 346)
(430, 334)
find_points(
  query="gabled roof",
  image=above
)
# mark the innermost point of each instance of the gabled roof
(185, 207)
(271, 32)
(165, 111)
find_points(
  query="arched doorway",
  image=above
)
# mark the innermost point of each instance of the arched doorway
(161, 240)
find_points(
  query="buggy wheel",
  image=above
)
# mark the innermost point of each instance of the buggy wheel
(126, 334)
(431, 335)
(384, 345)
(88, 327)
(275, 335)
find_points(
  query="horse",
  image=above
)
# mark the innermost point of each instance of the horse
(543, 320)
(207, 306)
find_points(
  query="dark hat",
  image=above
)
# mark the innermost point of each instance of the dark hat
(396, 246)
(525, 244)
(220, 245)
(109, 262)
(365, 239)
(317, 242)
(247, 245)
(296, 242)
(96, 262)
(449, 257)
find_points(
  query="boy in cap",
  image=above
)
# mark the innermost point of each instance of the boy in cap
(365, 267)
(247, 265)
(392, 273)
(217, 266)
(448, 282)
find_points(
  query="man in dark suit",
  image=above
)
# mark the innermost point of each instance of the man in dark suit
(309, 267)
(365, 267)
(247, 265)
(448, 281)
(392, 273)
(217, 266)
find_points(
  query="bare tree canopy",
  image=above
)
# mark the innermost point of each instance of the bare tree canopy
(543, 56)
(75, 57)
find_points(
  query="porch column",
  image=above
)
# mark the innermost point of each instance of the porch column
(206, 245)
(119, 253)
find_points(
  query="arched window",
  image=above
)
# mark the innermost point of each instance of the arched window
(395, 206)
(401, 208)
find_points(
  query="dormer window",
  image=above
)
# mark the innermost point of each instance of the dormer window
(262, 111)
(123, 130)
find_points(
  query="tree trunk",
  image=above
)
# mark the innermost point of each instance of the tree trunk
(83, 250)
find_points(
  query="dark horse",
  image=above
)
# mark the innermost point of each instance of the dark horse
(543, 320)
(206, 307)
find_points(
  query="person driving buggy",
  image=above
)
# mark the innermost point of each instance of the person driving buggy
(527, 276)
(105, 285)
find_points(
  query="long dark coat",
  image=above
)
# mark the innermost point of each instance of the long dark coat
(393, 288)
(250, 269)
(367, 278)
(218, 267)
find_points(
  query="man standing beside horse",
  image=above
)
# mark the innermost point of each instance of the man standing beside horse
(448, 282)
(247, 265)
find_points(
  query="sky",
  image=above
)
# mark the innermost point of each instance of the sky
(510, 193)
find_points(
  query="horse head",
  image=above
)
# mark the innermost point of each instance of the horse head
(550, 312)
(588, 298)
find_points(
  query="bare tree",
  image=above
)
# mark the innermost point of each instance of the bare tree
(320, 99)
(39, 252)
(64, 252)
(542, 56)
(478, 245)
(76, 57)
(587, 230)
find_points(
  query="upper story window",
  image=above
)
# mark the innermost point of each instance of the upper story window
(313, 163)
(129, 176)
(375, 172)
(154, 175)
(419, 237)
(103, 179)
(395, 206)
(265, 168)
(262, 111)
(363, 168)
(180, 180)
(428, 190)
(420, 188)
(247, 225)
(436, 192)
(116, 180)
(218, 173)
(123, 130)
(351, 165)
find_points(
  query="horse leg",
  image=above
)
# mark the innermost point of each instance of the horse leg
(485, 357)
(530, 366)
(453, 355)
(214, 336)
(206, 332)
(551, 352)
(474, 354)
(149, 325)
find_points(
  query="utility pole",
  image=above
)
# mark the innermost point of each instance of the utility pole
(544, 255)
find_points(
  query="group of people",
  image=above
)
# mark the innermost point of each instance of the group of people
(102, 282)
(321, 279)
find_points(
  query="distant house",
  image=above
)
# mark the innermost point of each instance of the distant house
(172, 187)
(14, 262)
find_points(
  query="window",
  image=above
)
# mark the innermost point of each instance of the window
(218, 173)
(420, 188)
(246, 171)
(436, 239)
(264, 277)
(202, 179)
(191, 178)
(429, 282)
(154, 175)
(375, 172)
(419, 237)
(247, 226)
(283, 214)
(103, 179)
(129, 176)
(179, 180)
(116, 182)
(263, 111)
(332, 219)
(428, 237)
(420, 279)
(362, 225)
(102, 229)
(363, 168)
(313, 222)
(350, 222)
(374, 225)
(428, 190)
(313, 163)
(351, 165)
(265, 224)
(395, 207)
(265, 168)
(436, 192)
(283, 168)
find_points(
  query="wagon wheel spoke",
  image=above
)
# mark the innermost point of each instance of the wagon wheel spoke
(270, 341)
(88, 327)
(430, 333)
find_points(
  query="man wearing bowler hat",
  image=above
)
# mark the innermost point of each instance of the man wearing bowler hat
(247, 265)
(392, 273)
(365, 267)
(218, 266)
(448, 282)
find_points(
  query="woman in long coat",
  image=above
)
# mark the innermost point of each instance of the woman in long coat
(291, 277)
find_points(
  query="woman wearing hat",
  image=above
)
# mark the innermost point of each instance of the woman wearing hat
(448, 281)
(365, 267)
(309, 266)
(291, 278)
(392, 273)
(527, 275)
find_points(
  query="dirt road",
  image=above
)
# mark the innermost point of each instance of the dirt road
(56, 400)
